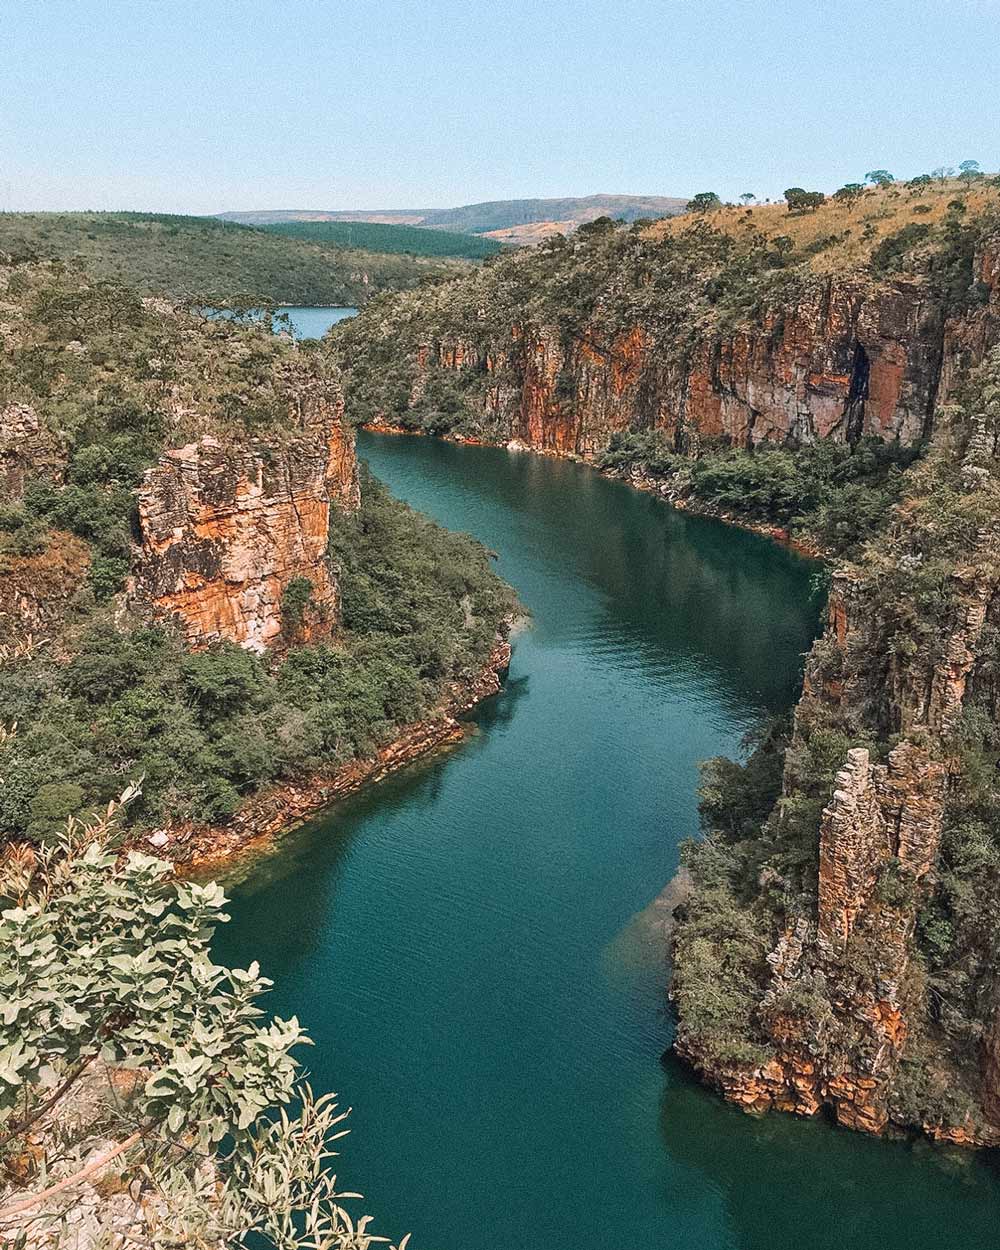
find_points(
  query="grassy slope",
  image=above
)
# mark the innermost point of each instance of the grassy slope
(850, 234)
(181, 256)
(380, 237)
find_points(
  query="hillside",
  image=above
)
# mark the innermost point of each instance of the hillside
(510, 221)
(203, 256)
(842, 234)
(379, 237)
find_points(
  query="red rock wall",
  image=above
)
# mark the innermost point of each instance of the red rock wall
(845, 360)
(879, 842)
(225, 528)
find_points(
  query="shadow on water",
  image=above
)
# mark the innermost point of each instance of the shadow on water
(790, 1184)
(465, 941)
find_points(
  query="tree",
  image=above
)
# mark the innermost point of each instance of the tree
(704, 202)
(802, 201)
(921, 180)
(879, 177)
(113, 1009)
(943, 173)
(850, 193)
(969, 171)
(747, 197)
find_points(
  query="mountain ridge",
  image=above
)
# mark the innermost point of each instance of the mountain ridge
(503, 219)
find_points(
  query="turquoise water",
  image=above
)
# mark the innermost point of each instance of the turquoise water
(462, 944)
(313, 323)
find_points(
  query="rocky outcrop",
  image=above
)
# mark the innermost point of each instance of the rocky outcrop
(28, 451)
(224, 528)
(845, 989)
(845, 359)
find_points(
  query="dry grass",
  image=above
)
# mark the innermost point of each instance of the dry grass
(857, 229)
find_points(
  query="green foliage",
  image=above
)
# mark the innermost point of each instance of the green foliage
(187, 256)
(295, 599)
(850, 193)
(879, 177)
(802, 201)
(893, 251)
(50, 808)
(421, 609)
(719, 964)
(378, 236)
(833, 494)
(704, 202)
(106, 973)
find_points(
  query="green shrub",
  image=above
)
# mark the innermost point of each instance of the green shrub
(295, 598)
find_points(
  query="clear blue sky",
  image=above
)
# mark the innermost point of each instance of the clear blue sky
(205, 105)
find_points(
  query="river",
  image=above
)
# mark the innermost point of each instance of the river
(465, 942)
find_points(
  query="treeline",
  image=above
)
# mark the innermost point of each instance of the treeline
(378, 236)
(161, 254)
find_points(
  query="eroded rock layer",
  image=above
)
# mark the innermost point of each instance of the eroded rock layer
(857, 1010)
(845, 358)
(225, 529)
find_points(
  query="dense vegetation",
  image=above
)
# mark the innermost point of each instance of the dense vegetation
(825, 493)
(129, 1059)
(377, 236)
(755, 870)
(97, 696)
(214, 260)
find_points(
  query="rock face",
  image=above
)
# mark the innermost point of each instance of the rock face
(845, 360)
(27, 450)
(225, 529)
(845, 991)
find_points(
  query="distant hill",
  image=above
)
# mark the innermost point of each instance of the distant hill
(205, 256)
(380, 237)
(511, 221)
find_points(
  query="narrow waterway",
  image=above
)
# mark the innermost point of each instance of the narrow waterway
(465, 942)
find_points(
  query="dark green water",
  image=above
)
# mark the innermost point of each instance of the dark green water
(460, 941)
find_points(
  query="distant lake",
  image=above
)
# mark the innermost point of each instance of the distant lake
(313, 323)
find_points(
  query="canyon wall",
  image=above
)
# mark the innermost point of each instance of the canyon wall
(845, 998)
(27, 450)
(225, 528)
(845, 359)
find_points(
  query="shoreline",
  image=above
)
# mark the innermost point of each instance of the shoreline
(645, 482)
(270, 814)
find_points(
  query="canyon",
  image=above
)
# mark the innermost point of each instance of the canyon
(848, 1009)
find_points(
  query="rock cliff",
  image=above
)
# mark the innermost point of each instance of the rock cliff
(858, 1007)
(224, 530)
(28, 450)
(836, 358)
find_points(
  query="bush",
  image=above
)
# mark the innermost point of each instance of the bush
(295, 598)
(421, 609)
(108, 976)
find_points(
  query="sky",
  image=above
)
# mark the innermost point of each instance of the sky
(202, 106)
